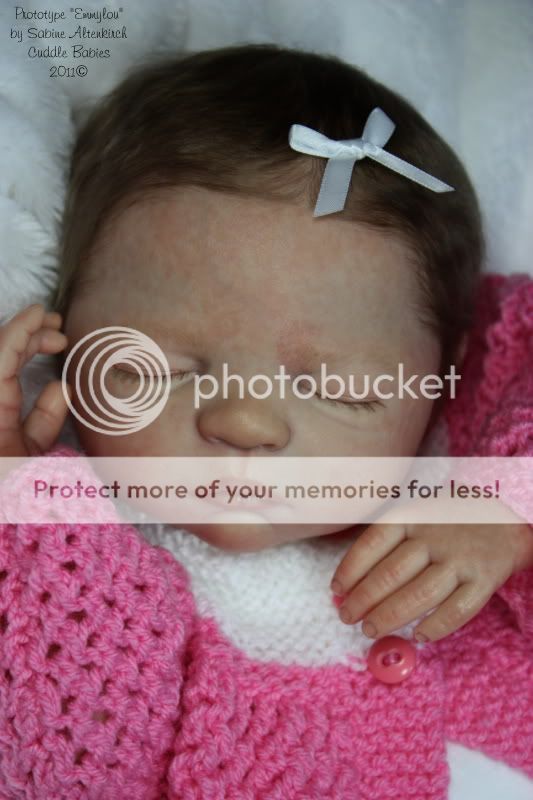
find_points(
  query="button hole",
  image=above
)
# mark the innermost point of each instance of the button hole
(391, 658)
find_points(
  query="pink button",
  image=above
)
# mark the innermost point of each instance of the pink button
(391, 659)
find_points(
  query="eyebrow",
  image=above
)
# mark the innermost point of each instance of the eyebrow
(295, 347)
(307, 360)
(294, 353)
(159, 332)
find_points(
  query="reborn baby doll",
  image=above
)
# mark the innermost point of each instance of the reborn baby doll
(188, 217)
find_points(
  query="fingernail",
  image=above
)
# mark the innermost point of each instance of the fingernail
(345, 615)
(369, 629)
(336, 588)
(338, 600)
(421, 637)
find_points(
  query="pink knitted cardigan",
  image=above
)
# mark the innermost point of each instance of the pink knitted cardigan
(113, 686)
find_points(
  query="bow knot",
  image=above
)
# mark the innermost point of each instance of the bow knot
(343, 153)
(370, 149)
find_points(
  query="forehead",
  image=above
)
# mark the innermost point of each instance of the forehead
(243, 262)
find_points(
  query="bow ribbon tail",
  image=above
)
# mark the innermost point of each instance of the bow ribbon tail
(334, 186)
(410, 171)
(378, 128)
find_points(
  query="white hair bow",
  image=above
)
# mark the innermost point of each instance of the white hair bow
(342, 155)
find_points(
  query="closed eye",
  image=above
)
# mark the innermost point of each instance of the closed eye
(129, 376)
(354, 405)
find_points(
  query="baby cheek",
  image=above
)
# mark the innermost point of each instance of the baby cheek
(412, 416)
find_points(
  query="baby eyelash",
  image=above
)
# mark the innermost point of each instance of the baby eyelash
(371, 405)
(129, 377)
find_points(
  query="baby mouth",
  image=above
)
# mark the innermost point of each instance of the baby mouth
(238, 494)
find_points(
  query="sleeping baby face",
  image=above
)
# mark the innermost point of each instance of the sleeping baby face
(256, 284)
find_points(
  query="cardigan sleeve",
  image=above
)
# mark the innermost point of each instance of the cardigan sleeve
(93, 656)
(492, 414)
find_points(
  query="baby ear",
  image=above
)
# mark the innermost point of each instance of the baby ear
(461, 350)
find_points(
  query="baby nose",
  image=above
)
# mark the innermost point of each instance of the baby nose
(245, 424)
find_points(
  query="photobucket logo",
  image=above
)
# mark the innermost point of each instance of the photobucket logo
(399, 385)
(119, 416)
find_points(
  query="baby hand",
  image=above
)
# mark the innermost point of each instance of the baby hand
(394, 573)
(31, 331)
